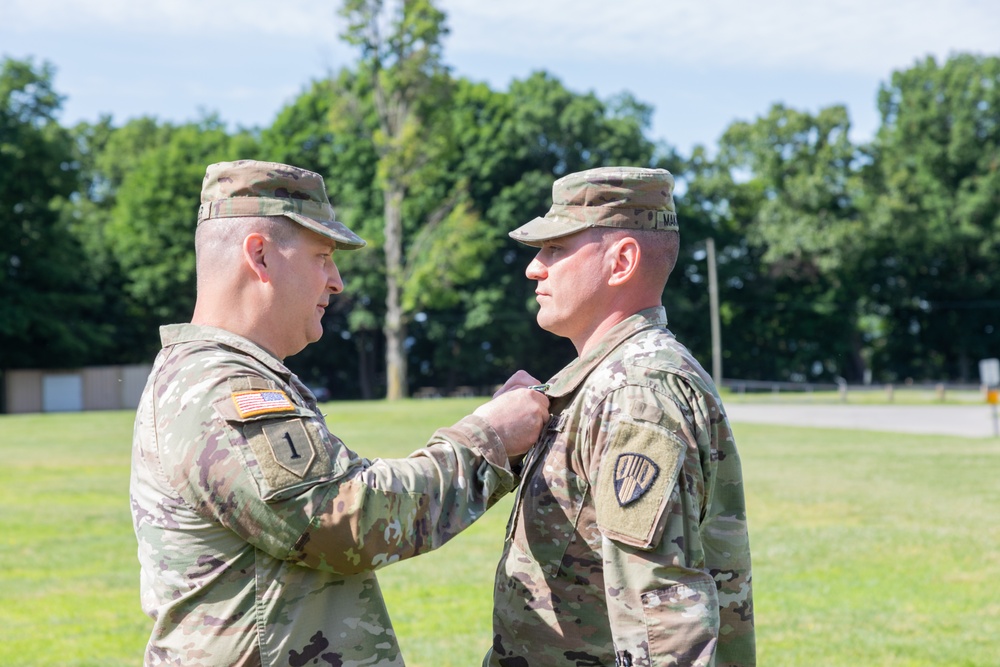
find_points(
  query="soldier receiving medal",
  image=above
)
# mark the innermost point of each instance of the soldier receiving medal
(628, 541)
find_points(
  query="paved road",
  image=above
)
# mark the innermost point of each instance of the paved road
(975, 421)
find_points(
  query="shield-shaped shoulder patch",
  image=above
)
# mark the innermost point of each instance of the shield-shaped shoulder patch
(634, 475)
(290, 444)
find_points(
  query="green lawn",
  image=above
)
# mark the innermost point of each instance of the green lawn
(869, 549)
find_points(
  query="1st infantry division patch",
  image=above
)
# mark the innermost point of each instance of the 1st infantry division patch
(634, 475)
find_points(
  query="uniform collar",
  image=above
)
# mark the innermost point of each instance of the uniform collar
(569, 378)
(175, 334)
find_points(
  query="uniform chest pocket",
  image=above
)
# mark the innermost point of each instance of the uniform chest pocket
(551, 500)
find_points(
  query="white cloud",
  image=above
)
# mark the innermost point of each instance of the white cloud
(701, 64)
(839, 36)
(255, 18)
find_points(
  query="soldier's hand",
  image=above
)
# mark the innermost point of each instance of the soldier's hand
(517, 413)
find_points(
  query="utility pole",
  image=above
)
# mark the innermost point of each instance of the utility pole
(713, 304)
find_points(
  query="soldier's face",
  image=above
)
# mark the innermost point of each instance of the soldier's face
(571, 281)
(305, 276)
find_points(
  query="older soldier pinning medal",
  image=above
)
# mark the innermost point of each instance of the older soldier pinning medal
(259, 530)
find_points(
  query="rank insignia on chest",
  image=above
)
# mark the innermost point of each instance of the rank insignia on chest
(634, 475)
(250, 403)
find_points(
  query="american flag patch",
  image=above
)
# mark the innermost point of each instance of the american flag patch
(250, 403)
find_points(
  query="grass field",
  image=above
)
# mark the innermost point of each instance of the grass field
(869, 549)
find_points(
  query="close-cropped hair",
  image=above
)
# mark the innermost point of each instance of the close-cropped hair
(659, 250)
(219, 241)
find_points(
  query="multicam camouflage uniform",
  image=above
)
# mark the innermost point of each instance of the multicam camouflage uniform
(258, 528)
(628, 541)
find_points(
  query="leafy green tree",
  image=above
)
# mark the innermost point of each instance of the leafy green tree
(804, 227)
(513, 145)
(344, 360)
(47, 315)
(514, 148)
(713, 203)
(401, 86)
(150, 232)
(104, 154)
(933, 204)
(333, 128)
(467, 303)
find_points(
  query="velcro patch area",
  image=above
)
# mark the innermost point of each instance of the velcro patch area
(290, 454)
(635, 482)
(261, 402)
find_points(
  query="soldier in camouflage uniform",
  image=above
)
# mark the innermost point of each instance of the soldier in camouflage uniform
(628, 540)
(258, 529)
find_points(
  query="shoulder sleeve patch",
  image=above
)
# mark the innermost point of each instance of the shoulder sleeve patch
(634, 475)
(284, 448)
(637, 476)
(292, 454)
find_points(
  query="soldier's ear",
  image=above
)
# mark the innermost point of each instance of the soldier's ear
(255, 255)
(623, 255)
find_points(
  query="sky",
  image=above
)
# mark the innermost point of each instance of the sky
(701, 65)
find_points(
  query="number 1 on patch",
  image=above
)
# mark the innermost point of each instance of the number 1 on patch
(291, 445)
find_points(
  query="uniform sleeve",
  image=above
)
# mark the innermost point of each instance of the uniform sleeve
(388, 510)
(656, 469)
(276, 477)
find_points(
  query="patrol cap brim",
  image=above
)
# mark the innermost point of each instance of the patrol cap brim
(314, 216)
(539, 230)
(331, 229)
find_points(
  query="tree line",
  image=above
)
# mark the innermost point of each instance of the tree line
(873, 262)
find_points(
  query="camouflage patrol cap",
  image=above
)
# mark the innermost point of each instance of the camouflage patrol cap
(620, 197)
(253, 188)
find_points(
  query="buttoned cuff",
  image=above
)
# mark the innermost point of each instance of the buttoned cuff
(479, 435)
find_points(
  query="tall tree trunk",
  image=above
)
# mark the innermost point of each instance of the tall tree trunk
(395, 322)
(365, 373)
